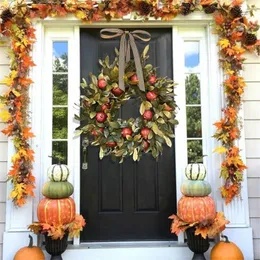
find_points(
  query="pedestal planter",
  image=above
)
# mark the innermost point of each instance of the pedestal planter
(56, 247)
(197, 244)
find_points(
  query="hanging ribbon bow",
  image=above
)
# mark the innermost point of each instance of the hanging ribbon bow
(124, 52)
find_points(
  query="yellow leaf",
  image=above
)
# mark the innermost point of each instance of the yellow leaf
(7, 81)
(80, 14)
(224, 43)
(16, 93)
(168, 141)
(5, 116)
(135, 155)
(220, 149)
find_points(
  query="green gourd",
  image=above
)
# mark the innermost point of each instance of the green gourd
(57, 190)
(198, 188)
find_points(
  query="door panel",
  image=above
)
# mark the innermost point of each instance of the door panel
(132, 200)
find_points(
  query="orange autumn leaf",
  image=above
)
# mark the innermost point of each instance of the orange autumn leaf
(31, 178)
(219, 18)
(27, 62)
(237, 2)
(203, 231)
(234, 133)
(25, 81)
(29, 189)
(20, 202)
(206, 2)
(30, 155)
(8, 130)
(27, 133)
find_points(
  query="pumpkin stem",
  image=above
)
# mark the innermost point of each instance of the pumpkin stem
(226, 239)
(31, 242)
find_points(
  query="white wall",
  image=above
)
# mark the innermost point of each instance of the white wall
(3, 149)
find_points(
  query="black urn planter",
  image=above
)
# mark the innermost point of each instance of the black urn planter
(56, 247)
(197, 244)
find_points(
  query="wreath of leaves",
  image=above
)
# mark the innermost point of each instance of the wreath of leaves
(122, 138)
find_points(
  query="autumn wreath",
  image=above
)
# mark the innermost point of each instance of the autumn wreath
(101, 101)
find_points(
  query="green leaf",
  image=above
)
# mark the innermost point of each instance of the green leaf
(156, 130)
(101, 153)
(107, 61)
(142, 108)
(94, 79)
(167, 114)
(148, 67)
(148, 105)
(146, 49)
(92, 114)
(135, 155)
(137, 137)
(160, 121)
(78, 133)
(168, 141)
(114, 125)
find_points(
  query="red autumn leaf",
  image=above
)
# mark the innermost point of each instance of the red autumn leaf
(60, 11)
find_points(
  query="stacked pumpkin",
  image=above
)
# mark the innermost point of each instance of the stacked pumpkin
(57, 208)
(196, 205)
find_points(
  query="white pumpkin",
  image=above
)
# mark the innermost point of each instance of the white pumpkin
(58, 172)
(195, 171)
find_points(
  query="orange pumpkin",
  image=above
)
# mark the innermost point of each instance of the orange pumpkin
(56, 211)
(196, 209)
(226, 250)
(30, 252)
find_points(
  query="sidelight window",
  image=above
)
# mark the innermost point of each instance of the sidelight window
(193, 101)
(60, 102)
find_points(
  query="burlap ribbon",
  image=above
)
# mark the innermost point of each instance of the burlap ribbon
(124, 52)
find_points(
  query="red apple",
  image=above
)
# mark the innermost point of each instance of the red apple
(117, 92)
(167, 108)
(111, 144)
(145, 132)
(126, 131)
(146, 145)
(148, 115)
(151, 95)
(152, 79)
(105, 107)
(101, 117)
(94, 132)
(134, 78)
(102, 83)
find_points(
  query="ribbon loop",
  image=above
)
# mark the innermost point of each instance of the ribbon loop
(127, 43)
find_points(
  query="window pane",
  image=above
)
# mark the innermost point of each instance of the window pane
(195, 151)
(60, 56)
(192, 57)
(59, 152)
(60, 123)
(194, 122)
(192, 84)
(60, 89)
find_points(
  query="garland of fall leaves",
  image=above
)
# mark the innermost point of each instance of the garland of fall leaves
(236, 34)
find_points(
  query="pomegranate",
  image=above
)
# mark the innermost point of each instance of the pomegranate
(102, 83)
(105, 107)
(148, 115)
(101, 117)
(151, 95)
(126, 131)
(167, 108)
(145, 132)
(152, 79)
(134, 78)
(94, 132)
(111, 144)
(146, 145)
(117, 92)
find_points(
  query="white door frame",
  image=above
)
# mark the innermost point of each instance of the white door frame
(17, 220)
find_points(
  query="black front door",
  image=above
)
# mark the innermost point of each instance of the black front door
(129, 201)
